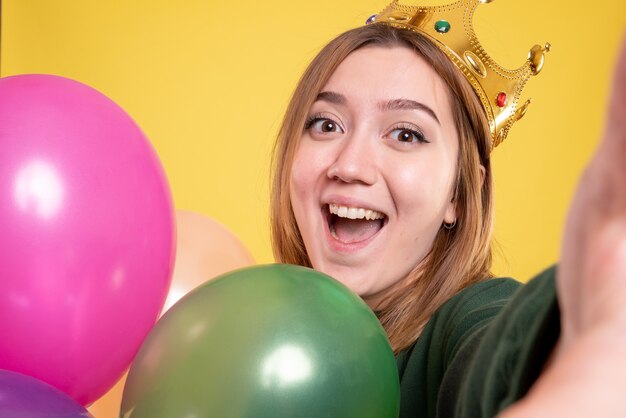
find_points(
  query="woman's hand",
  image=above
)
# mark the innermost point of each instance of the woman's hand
(586, 376)
(592, 273)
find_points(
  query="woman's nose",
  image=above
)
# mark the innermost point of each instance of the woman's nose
(354, 162)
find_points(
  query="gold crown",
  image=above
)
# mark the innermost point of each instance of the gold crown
(450, 27)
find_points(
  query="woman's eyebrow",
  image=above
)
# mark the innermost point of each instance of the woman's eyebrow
(332, 97)
(407, 104)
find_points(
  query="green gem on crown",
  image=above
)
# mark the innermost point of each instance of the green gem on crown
(442, 26)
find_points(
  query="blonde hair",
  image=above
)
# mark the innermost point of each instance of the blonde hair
(460, 256)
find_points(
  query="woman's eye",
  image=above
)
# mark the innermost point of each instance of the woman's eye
(407, 135)
(323, 125)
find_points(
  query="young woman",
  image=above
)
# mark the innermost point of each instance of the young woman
(383, 180)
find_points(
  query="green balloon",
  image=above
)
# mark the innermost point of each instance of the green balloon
(265, 342)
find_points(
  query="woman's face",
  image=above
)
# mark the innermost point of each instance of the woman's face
(373, 176)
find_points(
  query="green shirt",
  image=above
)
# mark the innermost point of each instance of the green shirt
(481, 351)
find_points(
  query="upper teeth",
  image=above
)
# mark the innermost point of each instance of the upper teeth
(354, 213)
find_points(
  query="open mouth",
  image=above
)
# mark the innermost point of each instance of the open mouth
(351, 225)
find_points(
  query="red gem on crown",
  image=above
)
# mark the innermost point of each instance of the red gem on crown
(501, 99)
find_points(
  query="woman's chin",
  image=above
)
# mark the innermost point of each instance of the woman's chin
(349, 277)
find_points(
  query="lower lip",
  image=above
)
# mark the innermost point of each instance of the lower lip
(343, 247)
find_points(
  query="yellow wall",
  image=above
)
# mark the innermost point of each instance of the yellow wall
(209, 80)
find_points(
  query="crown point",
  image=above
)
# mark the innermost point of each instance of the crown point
(371, 19)
(536, 57)
(519, 113)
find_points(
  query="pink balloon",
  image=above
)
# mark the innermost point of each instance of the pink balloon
(86, 235)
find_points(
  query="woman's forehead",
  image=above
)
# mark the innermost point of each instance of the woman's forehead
(375, 74)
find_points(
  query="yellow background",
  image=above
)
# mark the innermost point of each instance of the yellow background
(209, 80)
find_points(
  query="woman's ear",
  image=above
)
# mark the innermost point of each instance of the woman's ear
(449, 217)
(483, 172)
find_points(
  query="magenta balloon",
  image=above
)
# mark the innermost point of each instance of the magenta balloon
(86, 235)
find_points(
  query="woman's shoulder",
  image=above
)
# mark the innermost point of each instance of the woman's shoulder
(517, 307)
(509, 355)
(423, 366)
(465, 311)
(468, 311)
(473, 337)
(513, 350)
(483, 296)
